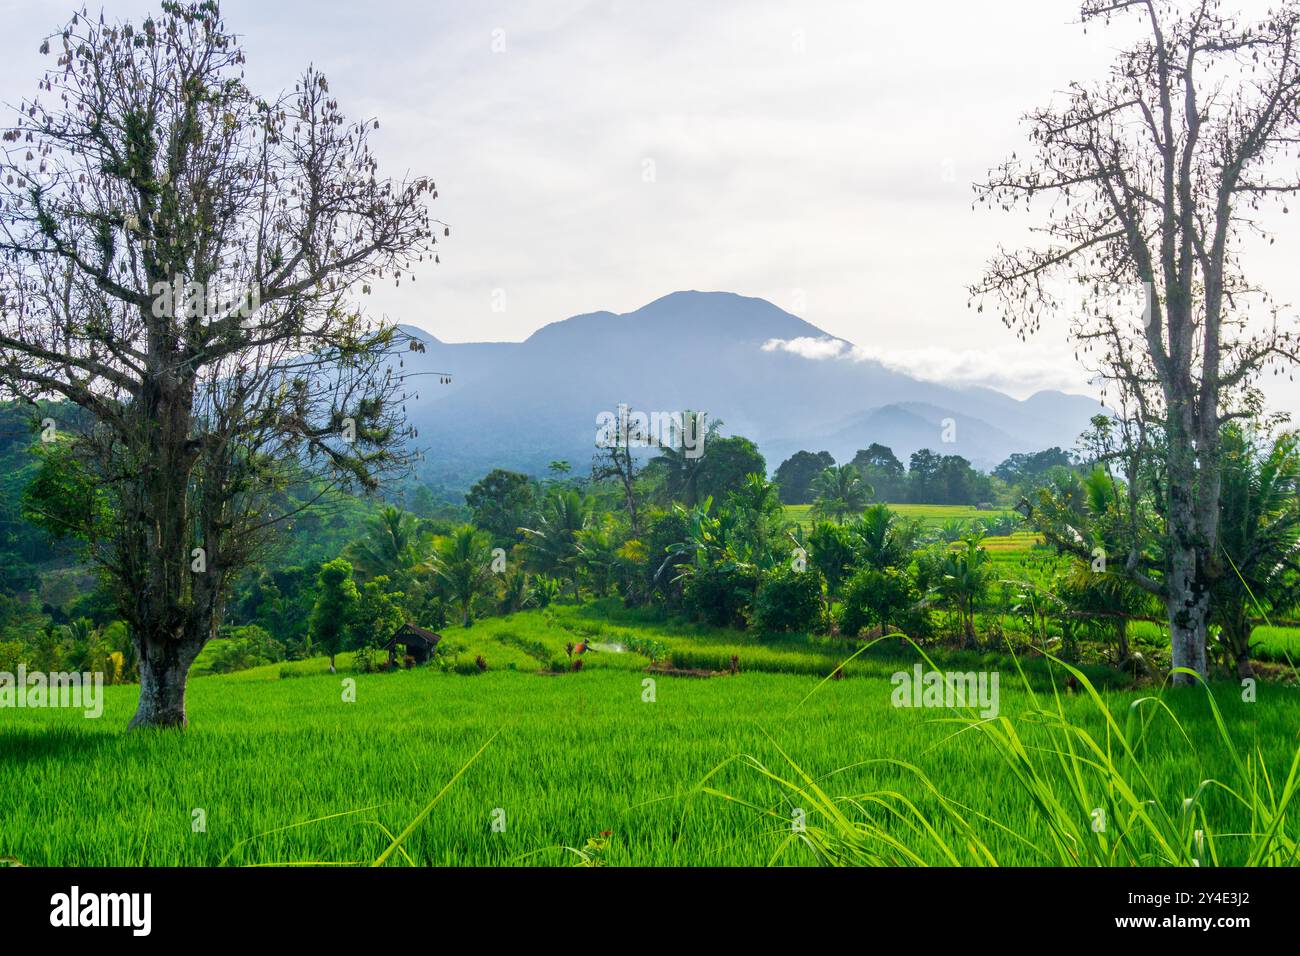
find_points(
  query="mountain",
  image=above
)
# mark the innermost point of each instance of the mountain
(524, 404)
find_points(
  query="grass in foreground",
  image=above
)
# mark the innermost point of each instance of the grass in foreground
(576, 756)
(1099, 797)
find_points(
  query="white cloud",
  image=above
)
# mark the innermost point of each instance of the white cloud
(1019, 370)
(809, 347)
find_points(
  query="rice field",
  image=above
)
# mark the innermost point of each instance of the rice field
(929, 515)
(594, 766)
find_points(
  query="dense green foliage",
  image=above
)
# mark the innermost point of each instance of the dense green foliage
(344, 576)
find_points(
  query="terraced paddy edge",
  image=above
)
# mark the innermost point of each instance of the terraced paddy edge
(580, 760)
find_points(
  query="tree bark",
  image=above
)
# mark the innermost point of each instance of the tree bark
(968, 625)
(1189, 613)
(1190, 539)
(164, 670)
(1244, 667)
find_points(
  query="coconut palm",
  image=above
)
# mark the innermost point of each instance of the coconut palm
(832, 551)
(515, 592)
(839, 492)
(682, 467)
(758, 512)
(390, 545)
(551, 545)
(462, 562)
(1108, 595)
(883, 539)
(965, 577)
(1259, 532)
(598, 554)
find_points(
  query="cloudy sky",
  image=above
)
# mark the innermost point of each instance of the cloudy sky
(597, 155)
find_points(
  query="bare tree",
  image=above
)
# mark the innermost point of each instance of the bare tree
(615, 460)
(1153, 178)
(177, 257)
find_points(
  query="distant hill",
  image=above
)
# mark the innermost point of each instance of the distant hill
(523, 404)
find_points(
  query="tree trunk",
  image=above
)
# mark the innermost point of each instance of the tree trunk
(164, 670)
(1187, 599)
(1189, 615)
(170, 602)
(1244, 667)
(1237, 637)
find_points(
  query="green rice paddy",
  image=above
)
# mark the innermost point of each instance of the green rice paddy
(586, 766)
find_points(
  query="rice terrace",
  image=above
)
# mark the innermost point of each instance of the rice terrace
(913, 483)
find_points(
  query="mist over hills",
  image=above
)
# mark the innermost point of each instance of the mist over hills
(523, 404)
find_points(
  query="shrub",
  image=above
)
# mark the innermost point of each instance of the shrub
(245, 647)
(879, 598)
(544, 591)
(722, 593)
(789, 600)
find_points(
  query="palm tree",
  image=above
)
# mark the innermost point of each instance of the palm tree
(711, 541)
(966, 574)
(86, 650)
(758, 511)
(543, 591)
(714, 555)
(1259, 533)
(953, 530)
(390, 545)
(515, 592)
(839, 491)
(704, 541)
(462, 562)
(1108, 595)
(831, 549)
(1086, 517)
(682, 469)
(883, 539)
(598, 554)
(552, 545)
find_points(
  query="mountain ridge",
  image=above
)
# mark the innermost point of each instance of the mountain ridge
(522, 404)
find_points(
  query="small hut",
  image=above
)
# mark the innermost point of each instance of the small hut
(416, 643)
